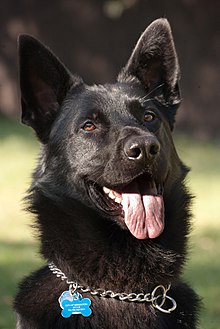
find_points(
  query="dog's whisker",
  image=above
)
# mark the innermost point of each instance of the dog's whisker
(151, 92)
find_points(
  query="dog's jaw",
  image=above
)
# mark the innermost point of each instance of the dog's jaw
(137, 206)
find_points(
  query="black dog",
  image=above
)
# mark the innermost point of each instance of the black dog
(108, 193)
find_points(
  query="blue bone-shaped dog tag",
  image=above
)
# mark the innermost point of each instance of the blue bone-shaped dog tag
(74, 304)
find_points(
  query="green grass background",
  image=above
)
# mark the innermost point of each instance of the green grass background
(19, 249)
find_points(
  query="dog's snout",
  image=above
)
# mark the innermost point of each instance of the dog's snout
(141, 148)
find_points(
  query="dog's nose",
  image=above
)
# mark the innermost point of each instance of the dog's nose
(140, 149)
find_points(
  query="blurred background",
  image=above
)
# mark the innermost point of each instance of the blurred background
(94, 38)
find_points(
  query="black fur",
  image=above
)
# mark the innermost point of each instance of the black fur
(86, 132)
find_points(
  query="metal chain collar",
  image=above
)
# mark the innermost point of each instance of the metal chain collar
(157, 297)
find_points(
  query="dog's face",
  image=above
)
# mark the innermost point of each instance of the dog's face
(108, 146)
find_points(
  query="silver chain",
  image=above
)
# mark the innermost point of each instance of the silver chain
(157, 297)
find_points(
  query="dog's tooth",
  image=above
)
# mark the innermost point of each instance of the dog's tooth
(109, 192)
(111, 195)
(106, 190)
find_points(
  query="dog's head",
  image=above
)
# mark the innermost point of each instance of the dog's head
(109, 146)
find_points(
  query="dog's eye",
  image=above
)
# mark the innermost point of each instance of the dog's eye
(89, 126)
(149, 116)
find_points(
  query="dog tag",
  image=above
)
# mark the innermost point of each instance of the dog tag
(72, 304)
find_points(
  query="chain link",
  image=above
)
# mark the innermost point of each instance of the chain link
(157, 297)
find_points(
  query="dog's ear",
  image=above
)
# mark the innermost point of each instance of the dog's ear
(44, 83)
(154, 63)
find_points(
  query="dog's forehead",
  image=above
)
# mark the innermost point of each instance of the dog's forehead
(117, 92)
(111, 98)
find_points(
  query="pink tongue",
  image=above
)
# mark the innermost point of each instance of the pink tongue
(143, 212)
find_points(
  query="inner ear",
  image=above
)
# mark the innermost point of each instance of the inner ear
(150, 74)
(44, 95)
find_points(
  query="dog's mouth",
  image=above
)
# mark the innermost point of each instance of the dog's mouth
(139, 205)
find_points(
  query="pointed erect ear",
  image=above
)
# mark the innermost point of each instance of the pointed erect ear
(44, 83)
(154, 63)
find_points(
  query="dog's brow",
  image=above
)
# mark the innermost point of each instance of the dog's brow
(135, 104)
(93, 114)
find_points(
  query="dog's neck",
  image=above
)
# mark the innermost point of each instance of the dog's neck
(112, 266)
